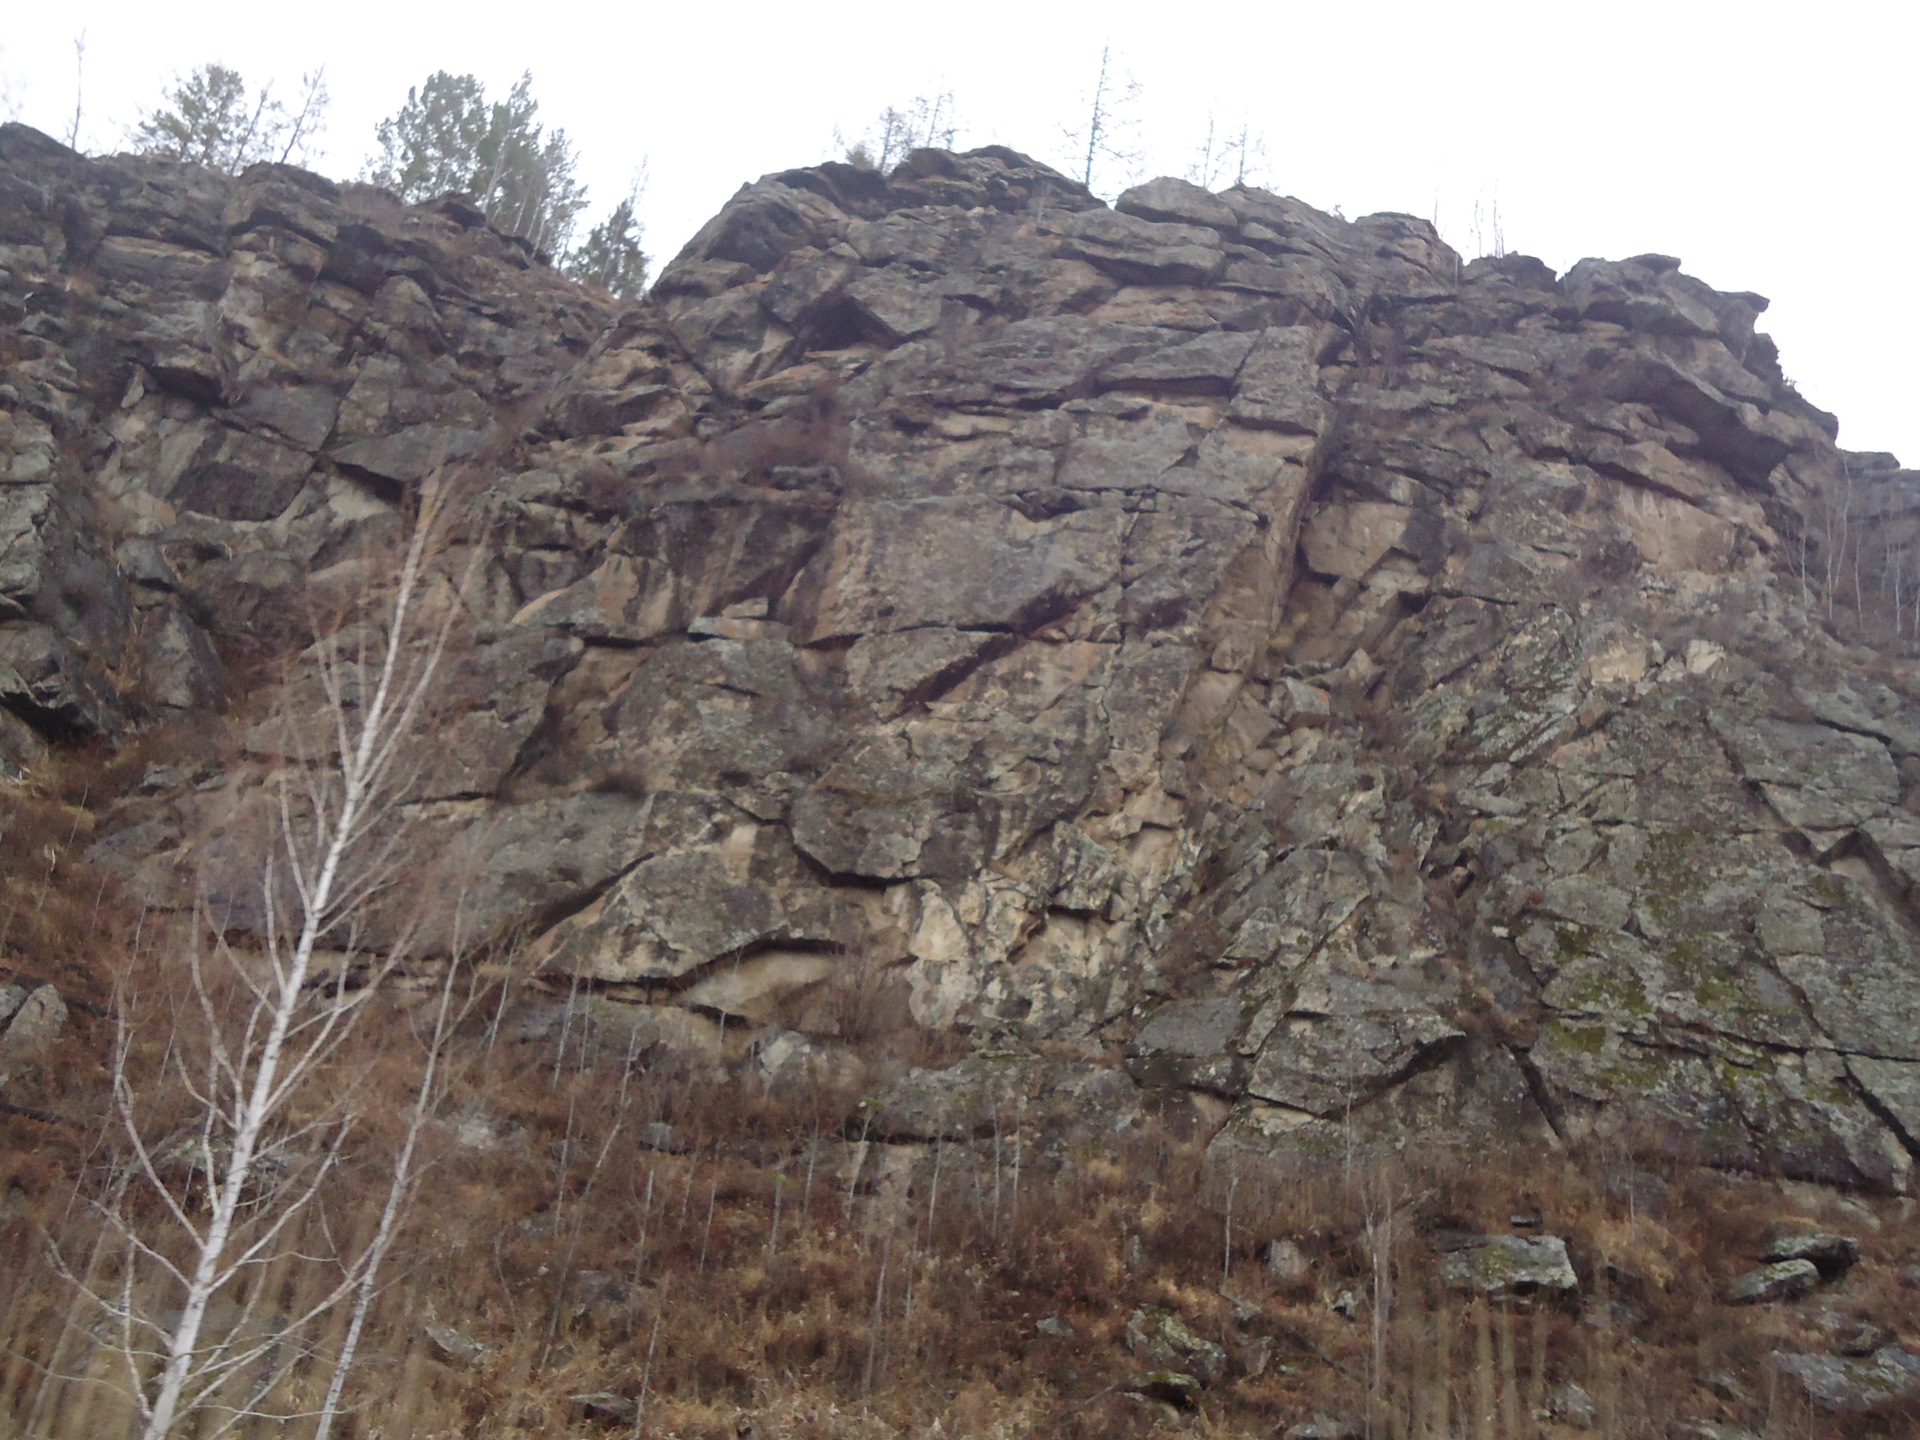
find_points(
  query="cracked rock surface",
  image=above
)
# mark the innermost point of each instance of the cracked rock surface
(1368, 689)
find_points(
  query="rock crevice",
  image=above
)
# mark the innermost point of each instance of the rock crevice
(1379, 691)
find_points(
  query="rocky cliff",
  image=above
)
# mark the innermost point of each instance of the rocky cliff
(1200, 646)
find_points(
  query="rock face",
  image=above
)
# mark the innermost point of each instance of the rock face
(1376, 690)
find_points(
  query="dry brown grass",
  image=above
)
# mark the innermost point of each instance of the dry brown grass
(765, 1272)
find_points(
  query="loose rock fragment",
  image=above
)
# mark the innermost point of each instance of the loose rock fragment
(1784, 1280)
(1511, 1265)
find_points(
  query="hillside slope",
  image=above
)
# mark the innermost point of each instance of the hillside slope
(1200, 653)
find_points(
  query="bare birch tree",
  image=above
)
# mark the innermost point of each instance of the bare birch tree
(365, 1276)
(200, 1218)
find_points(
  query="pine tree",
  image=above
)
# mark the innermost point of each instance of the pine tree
(211, 119)
(449, 136)
(610, 256)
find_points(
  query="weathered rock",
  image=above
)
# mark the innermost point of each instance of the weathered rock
(1832, 1255)
(1177, 202)
(1163, 1341)
(1852, 1335)
(1170, 1387)
(1205, 626)
(1286, 1262)
(1321, 1427)
(1885, 1381)
(1195, 1027)
(1328, 1066)
(1571, 1405)
(37, 1022)
(1783, 1280)
(603, 1407)
(454, 1347)
(673, 915)
(1143, 251)
(1511, 1265)
(1003, 570)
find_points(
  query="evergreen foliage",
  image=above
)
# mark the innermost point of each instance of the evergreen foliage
(450, 137)
(210, 118)
(610, 256)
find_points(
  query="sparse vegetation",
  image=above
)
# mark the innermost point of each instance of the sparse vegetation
(210, 118)
(707, 1255)
(1106, 137)
(925, 121)
(710, 1253)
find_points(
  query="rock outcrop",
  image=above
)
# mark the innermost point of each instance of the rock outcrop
(1383, 693)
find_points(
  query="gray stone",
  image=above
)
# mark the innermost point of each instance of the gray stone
(1142, 251)
(410, 455)
(1833, 1255)
(762, 223)
(1176, 201)
(1304, 706)
(1197, 1028)
(1571, 1405)
(21, 746)
(1322, 1427)
(675, 914)
(603, 1407)
(55, 684)
(1882, 1382)
(38, 1021)
(1286, 1262)
(1327, 1067)
(1511, 1265)
(1278, 386)
(658, 1135)
(1816, 777)
(25, 511)
(1852, 1335)
(1895, 1085)
(897, 302)
(454, 1347)
(623, 600)
(1160, 1339)
(1002, 570)
(1104, 613)
(1205, 365)
(895, 669)
(1784, 1280)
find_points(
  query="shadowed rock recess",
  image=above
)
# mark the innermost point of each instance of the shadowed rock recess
(1374, 693)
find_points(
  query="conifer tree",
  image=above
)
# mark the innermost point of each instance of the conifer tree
(610, 256)
(210, 118)
(450, 137)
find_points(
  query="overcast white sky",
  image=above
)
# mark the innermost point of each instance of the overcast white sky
(1772, 149)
